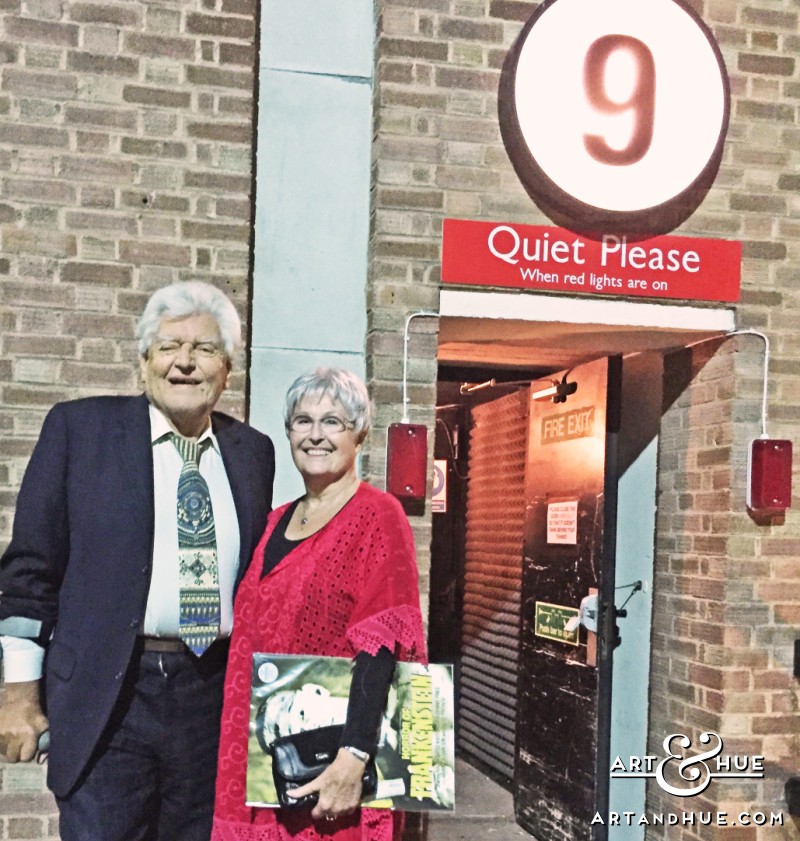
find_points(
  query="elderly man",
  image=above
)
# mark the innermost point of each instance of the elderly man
(135, 521)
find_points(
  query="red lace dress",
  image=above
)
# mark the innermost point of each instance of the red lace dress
(350, 587)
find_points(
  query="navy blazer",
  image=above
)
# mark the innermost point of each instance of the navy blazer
(80, 556)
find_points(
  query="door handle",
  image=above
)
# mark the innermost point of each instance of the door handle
(587, 615)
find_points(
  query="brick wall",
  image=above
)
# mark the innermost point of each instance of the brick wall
(727, 589)
(722, 626)
(126, 139)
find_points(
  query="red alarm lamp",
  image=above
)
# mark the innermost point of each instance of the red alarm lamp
(407, 443)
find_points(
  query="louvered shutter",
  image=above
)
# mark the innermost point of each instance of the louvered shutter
(492, 576)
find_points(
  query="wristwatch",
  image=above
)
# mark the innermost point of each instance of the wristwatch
(358, 753)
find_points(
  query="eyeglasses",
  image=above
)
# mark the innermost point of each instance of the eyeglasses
(203, 350)
(330, 424)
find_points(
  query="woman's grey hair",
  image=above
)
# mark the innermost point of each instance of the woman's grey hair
(181, 300)
(338, 384)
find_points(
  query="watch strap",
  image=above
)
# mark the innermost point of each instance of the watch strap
(357, 753)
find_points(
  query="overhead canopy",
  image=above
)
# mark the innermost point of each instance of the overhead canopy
(555, 333)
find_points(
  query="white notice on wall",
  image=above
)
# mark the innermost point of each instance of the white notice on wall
(562, 522)
(439, 495)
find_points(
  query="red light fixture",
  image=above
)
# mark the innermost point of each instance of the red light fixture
(407, 443)
(407, 460)
(769, 483)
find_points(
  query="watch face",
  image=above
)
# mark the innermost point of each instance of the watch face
(614, 112)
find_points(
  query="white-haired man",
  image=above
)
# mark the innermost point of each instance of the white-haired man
(135, 521)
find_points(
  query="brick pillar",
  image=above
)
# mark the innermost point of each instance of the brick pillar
(725, 597)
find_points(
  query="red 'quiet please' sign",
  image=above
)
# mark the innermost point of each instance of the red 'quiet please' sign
(554, 259)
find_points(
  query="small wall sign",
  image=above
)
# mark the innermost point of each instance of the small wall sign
(614, 112)
(439, 489)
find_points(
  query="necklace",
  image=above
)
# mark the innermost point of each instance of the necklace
(335, 504)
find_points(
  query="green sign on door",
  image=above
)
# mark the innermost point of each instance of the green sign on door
(551, 621)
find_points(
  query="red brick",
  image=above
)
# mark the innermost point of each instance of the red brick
(97, 169)
(215, 78)
(92, 142)
(463, 79)
(104, 375)
(30, 293)
(85, 221)
(239, 7)
(769, 17)
(155, 201)
(243, 54)
(236, 105)
(98, 325)
(217, 181)
(53, 192)
(160, 46)
(8, 214)
(8, 53)
(156, 97)
(14, 448)
(414, 49)
(152, 148)
(28, 29)
(769, 64)
(512, 9)
(97, 197)
(40, 242)
(464, 29)
(779, 591)
(154, 253)
(114, 13)
(101, 274)
(97, 117)
(104, 65)
(215, 230)
(224, 132)
(776, 724)
(14, 395)
(22, 135)
(63, 346)
(221, 26)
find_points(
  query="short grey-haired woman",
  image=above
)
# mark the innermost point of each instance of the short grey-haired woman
(335, 574)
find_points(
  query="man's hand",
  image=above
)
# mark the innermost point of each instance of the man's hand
(21, 721)
(339, 787)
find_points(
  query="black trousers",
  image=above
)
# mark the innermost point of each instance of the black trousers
(152, 776)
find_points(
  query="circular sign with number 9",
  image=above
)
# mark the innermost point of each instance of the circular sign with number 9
(614, 112)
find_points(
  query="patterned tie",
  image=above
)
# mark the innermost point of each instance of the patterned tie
(197, 552)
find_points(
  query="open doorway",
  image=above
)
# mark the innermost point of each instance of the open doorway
(477, 550)
(487, 576)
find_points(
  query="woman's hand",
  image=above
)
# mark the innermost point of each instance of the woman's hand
(339, 787)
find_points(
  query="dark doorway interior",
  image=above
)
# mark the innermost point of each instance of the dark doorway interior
(473, 623)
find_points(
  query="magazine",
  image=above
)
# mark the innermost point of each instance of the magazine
(416, 750)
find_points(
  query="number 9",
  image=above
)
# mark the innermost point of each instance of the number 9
(641, 101)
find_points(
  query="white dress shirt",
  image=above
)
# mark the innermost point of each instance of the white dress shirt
(161, 617)
(22, 658)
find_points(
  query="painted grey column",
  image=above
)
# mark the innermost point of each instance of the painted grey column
(642, 377)
(312, 202)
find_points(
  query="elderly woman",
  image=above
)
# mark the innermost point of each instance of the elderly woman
(334, 574)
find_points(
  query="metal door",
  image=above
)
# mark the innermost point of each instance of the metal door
(561, 772)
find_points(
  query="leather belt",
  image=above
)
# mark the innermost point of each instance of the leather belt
(164, 645)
